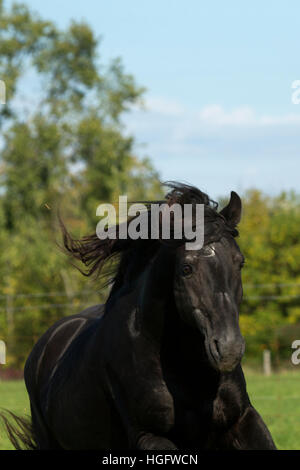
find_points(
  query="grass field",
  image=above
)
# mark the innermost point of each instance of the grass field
(277, 398)
(13, 397)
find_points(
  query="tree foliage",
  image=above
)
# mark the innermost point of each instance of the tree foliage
(67, 150)
(270, 242)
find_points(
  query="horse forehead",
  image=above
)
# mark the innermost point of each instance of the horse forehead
(205, 252)
(209, 250)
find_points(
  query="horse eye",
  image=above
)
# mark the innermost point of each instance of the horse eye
(187, 270)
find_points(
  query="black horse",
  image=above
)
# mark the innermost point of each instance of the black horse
(157, 366)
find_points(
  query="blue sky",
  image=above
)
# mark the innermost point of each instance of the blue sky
(218, 75)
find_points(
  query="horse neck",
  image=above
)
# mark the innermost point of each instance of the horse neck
(159, 318)
(155, 293)
(153, 312)
(182, 342)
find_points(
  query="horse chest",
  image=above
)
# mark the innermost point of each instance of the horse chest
(227, 406)
(200, 410)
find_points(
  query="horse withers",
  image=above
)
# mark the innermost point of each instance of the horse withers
(159, 365)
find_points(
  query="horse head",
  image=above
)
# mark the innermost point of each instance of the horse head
(208, 286)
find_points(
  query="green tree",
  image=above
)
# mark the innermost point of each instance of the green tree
(270, 242)
(68, 151)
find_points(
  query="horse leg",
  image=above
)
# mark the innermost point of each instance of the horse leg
(249, 433)
(143, 433)
(146, 418)
(148, 441)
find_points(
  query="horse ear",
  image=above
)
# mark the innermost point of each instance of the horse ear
(233, 211)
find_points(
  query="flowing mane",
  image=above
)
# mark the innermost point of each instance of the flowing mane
(114, 259)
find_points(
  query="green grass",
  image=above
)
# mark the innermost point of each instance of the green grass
(13, 397)
(276, 398)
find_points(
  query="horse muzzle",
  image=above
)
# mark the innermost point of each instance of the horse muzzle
(225, 353)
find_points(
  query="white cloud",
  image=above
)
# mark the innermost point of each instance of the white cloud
(215, 115)
(164, 120)
(164, 106)
(221, 148)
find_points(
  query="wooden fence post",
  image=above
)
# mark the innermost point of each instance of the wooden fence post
(267, 362)
(2, 352)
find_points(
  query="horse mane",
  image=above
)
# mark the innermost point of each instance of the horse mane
(113, 259)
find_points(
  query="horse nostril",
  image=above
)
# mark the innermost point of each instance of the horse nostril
(225, 352)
